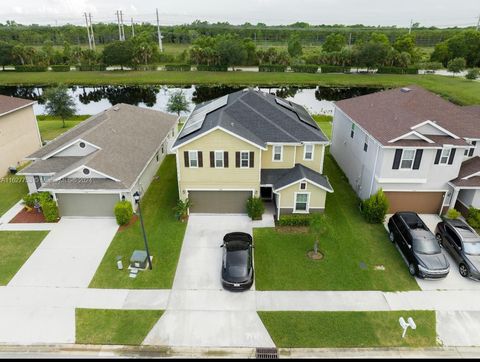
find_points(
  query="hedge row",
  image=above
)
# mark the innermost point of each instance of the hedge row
(397, 70)
(272, 68)
(178, 67)
(294, 220)
(92, 68)
(60, 68)
(30, 68)
(212, 68)
(305, 68)
(334, 69)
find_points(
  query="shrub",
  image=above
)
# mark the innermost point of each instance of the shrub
(255, 208)
(92, 68)
(41, 197)
(473, 217)
(50, 210)
(146, 67)
(272, 68)
(177, 67)
(123, 212)
(375, 208)
(181, 209)
(396, 70)
(334, 69)
(30, 68)
(453, 214)
(294, 220)
(305, 68)
(472, 74)
(212, 68)
(60, 68)
(430, 65)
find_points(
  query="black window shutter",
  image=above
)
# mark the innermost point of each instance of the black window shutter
(437, 157)
(252, 159)
(452, 156)
(185, 156)
(225, 159)
(237, 159)
(212, 159)
(418, 159)
(200, 159)
(396, 160)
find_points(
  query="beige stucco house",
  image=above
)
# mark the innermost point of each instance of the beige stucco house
(19, 135)
(251, 143)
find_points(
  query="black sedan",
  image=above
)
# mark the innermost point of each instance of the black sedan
(418, 246)
(463, 244)
(237, 264)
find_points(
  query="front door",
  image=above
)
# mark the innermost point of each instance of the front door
(38, 182)
(266, 192)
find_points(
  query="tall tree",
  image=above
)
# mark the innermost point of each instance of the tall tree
(231, 51)
(295, 46)
(334, 43)
(59, 103)
(177, 103)
(118, 53)
(6, 55)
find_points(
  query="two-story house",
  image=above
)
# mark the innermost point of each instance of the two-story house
(411, 143)
(251, 143)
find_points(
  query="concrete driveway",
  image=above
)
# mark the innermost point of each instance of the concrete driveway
(200, 312)
(69, 255)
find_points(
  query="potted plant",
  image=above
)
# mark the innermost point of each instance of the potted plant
(255, 208)
(181, 209)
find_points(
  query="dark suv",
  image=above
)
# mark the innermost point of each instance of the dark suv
(418, 246)
(463, 244)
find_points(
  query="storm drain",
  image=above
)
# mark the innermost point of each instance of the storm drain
(266, 353)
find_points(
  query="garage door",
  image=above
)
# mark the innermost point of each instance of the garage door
(419, 202)
(219, 202)
(86, 204)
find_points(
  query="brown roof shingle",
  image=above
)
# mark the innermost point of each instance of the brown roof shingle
(469, 167)
(8, 104)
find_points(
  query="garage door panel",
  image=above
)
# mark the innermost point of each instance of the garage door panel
(419, 202)
(93, 205)
(219, 202)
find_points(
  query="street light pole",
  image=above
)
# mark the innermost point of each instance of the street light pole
(136, 196)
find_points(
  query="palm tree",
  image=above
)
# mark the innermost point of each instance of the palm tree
(18, 52)
(318, 228)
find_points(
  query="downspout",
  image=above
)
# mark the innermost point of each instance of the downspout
(374, 171)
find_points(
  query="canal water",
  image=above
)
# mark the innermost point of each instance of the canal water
(92, 100)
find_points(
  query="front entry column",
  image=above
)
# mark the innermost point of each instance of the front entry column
(453, 199)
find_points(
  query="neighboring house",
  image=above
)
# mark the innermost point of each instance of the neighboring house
(251, 143)
(104, 159)
(416, 146)
(19, 135)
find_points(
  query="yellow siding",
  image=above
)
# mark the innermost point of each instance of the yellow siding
(19, 137)
(288, 158)
(317, 163)
(208, 178)
(317, 196)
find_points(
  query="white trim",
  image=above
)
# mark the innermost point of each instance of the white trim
(281, 152)
(416, 190)
(190, 159)
(222, 152)
(19, 108)
(174, 148)
(472, 175)
(65, 146)
(400, 168)
(298, 143)
(305, 151)
(433, 124)
(303, 183)
(36, 174)
(464, 187)
(400, 180)
(295, 211)
(303, 179)
(90, 169)
(204, 189)
(440, 163)
(374, 171)
(86, 191)
(248, 153)
(411, 133)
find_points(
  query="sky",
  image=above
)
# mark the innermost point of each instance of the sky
(439, 13)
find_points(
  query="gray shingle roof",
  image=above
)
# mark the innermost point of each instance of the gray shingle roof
(128, 137)
(257, 117)
(50, 165)
(283, 177)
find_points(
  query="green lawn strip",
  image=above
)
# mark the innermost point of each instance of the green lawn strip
(107, 326)
(349, 329)
(15, 248)
(12, 190)
(325, 123)
(165, 236)
(51, 127)
(457, 89)
(352, 249)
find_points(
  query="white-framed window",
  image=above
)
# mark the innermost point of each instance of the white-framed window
(308, 152)
(352, 130)
(444, 156)
(406, 162)
(303, 186)
(365, 144)
(219, 161)
(244, 159)
(193, 158)
(277, 153)
(301, 202)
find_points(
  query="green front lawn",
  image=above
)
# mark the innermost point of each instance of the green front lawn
(164, 232)
(51, 127)
(122, 327)
(352, 248)
(349, 329)
(15, 248)
(12, 190)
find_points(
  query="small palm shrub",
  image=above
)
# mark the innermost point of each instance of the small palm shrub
(255, 208)
(181, 209)
(123, 212)
(453, 214)
(375, 208)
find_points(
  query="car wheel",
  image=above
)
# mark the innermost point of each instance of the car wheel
(391, 236)
(439, 239)
(463, 269)
(412, 269)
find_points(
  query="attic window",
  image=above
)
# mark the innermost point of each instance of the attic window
(81, 144)
(86, 171)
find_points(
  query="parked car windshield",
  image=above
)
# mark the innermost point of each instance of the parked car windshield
(428, 247)
(237, 263)
(472, 248)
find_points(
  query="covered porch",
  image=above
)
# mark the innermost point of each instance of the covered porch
(466, 187)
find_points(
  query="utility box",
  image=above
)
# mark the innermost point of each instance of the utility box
(139, 259)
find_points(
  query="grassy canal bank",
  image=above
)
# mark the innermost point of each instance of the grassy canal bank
(456, 89)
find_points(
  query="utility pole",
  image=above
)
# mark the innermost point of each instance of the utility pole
(133, 29)
(121, 24)
(159, 34)
(91, 31)
(88, 32)
(411, 25)
(118, 22)
(478, 23)
(350, 40)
